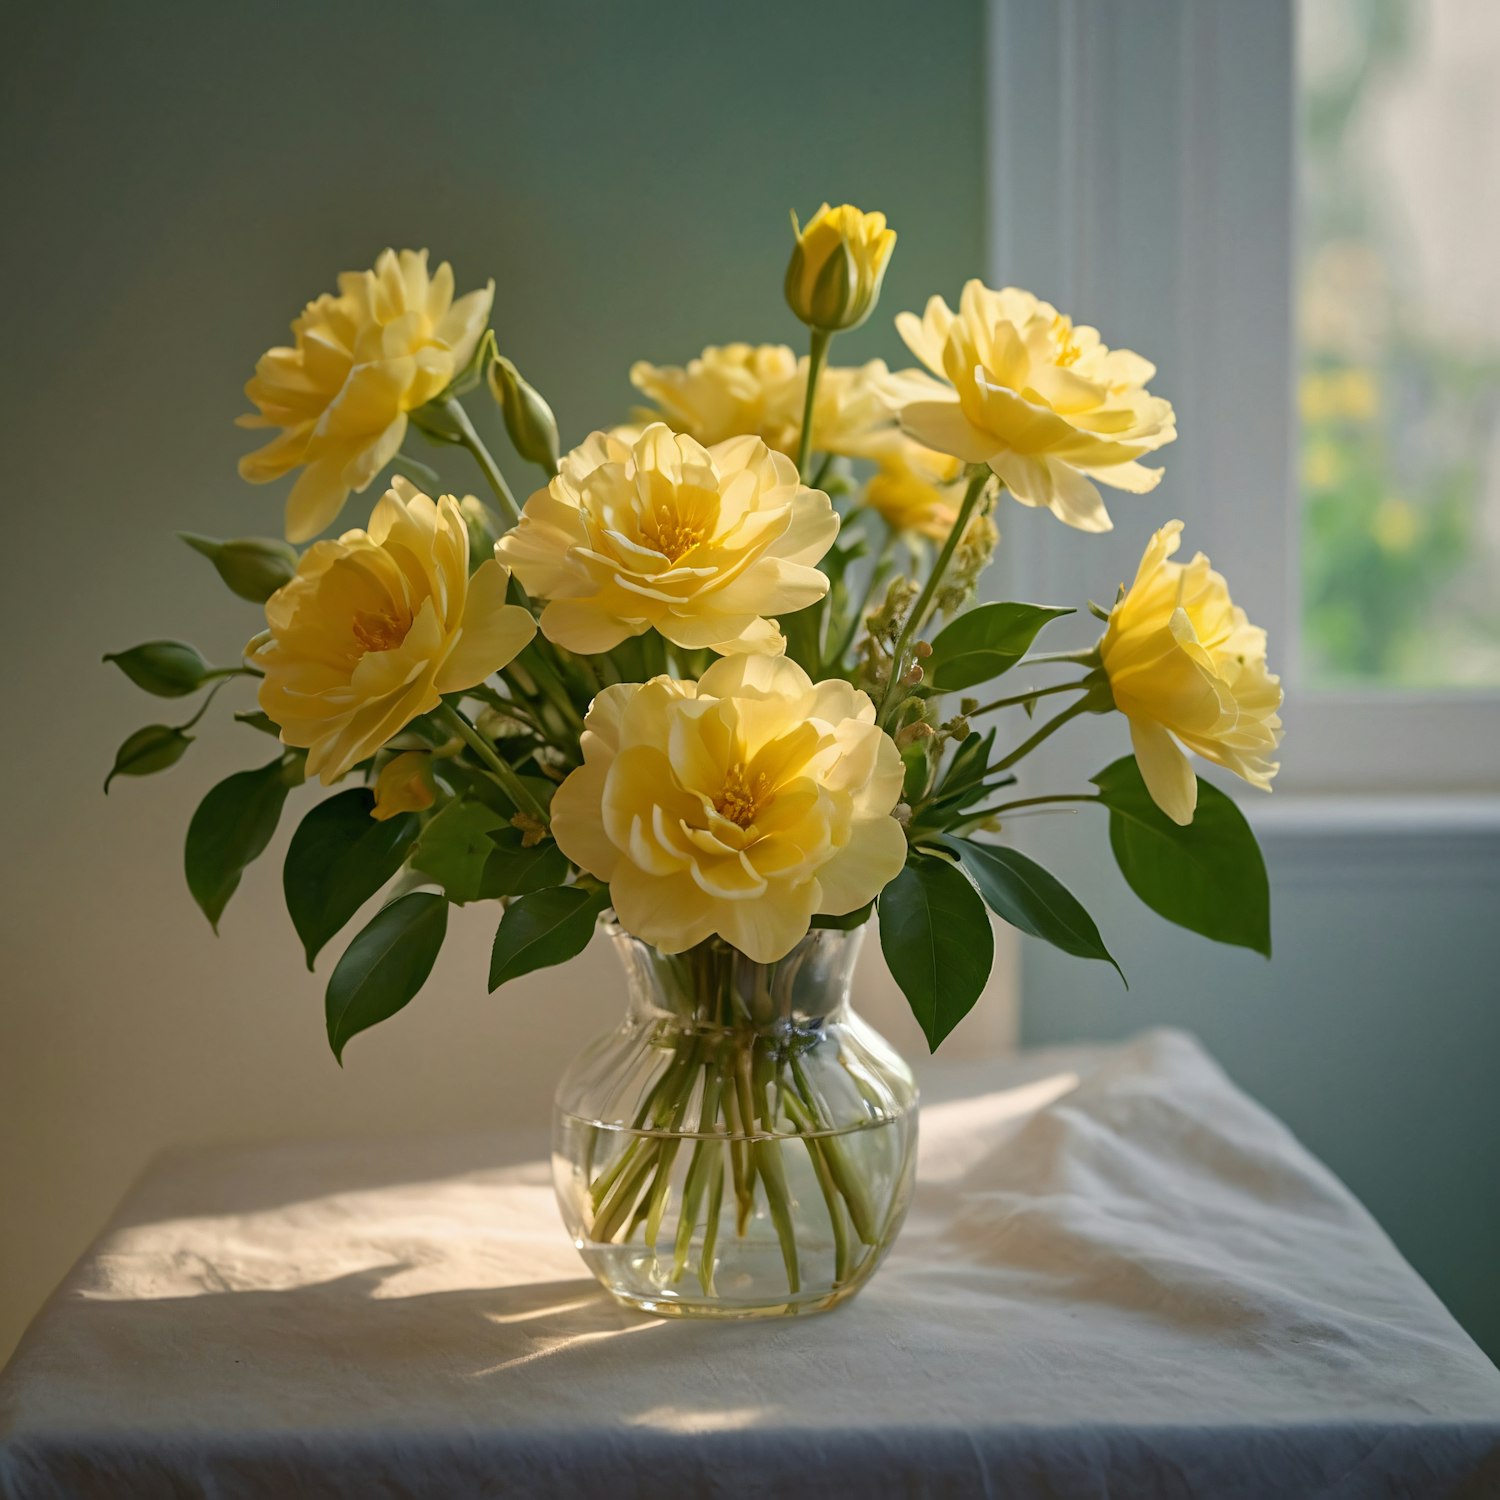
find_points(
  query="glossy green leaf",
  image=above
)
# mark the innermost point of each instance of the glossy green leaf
(544, 928)
(968, 763)
(985, 642)
(848, 921)
(261, 721)
(232, 827)
(253, 567)
(1208, 877)
(937, 942)
(169, 669)
(513, 869)
(148, 750)
(455, 847)
(384, 967)
(338, 858)
(1021, 892)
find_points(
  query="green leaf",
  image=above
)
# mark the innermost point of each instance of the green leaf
(254, 567)
(338, 858)
(515, 870)
(231, 828)
(937, 942)
(985, 642)
(848, 921)
(918, 768)
(970, 761)
(148, 750)
(261, 721)
(544, 928)
(170, 669)
(1208, 877)
(1021, 892)
(455, 847)
(384, 967)
(803, 629)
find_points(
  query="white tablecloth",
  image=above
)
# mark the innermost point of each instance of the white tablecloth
(1120, 1277)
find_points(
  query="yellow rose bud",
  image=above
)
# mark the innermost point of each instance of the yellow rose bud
(833, 278)
(528, 419)
(1049, 408)
(702, 544)
(387, 343)
(377, 626)
(1188, 669)
(742, 804)
(404, 785)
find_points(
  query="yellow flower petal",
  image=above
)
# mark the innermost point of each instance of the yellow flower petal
(1187, 669)
(375, 626)
(740, 805)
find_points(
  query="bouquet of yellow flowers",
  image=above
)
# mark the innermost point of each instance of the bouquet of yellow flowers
(720, 684)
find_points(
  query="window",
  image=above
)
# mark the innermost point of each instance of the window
(1398, 293)
(1264, 197)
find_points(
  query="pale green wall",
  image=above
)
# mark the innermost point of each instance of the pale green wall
(177, 180)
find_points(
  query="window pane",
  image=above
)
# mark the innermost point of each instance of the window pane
(1400, 341)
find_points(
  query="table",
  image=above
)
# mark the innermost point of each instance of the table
(1120, 1277)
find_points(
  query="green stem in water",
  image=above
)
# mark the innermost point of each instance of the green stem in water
(482, 456)
(766, 1153)
(806, 1121)
(515, 788)
(817, 355)
(914, 619)
(1083, 684)
(845, 1176)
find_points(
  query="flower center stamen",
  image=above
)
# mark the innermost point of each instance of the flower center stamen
(740, 799)
(1068, 348)
(379, 630)
(668, 533)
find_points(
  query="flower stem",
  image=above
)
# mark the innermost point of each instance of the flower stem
(1072, 711)
(1038, 801)
(977, 482)
(1027, 697)
(1088, 657)
(879, 571)
(515, 788)
(817, 354)
(482, 456)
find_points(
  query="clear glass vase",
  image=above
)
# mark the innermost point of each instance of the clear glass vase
(744, 1145)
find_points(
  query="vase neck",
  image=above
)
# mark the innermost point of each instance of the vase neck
(714, 986)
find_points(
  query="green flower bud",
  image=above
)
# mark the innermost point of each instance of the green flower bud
(254, 567)
(151, 749)
(528, 418)
(169, 669)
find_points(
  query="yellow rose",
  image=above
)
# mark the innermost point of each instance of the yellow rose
(833, 278)
(1047, 406)
(404, 785)
(1183, 661)
(913, 490)
(741, 804)
(377, 625)
(700, 543)
(391, 340)
(759, 389)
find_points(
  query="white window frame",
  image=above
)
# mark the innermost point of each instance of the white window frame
(1141, 175)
